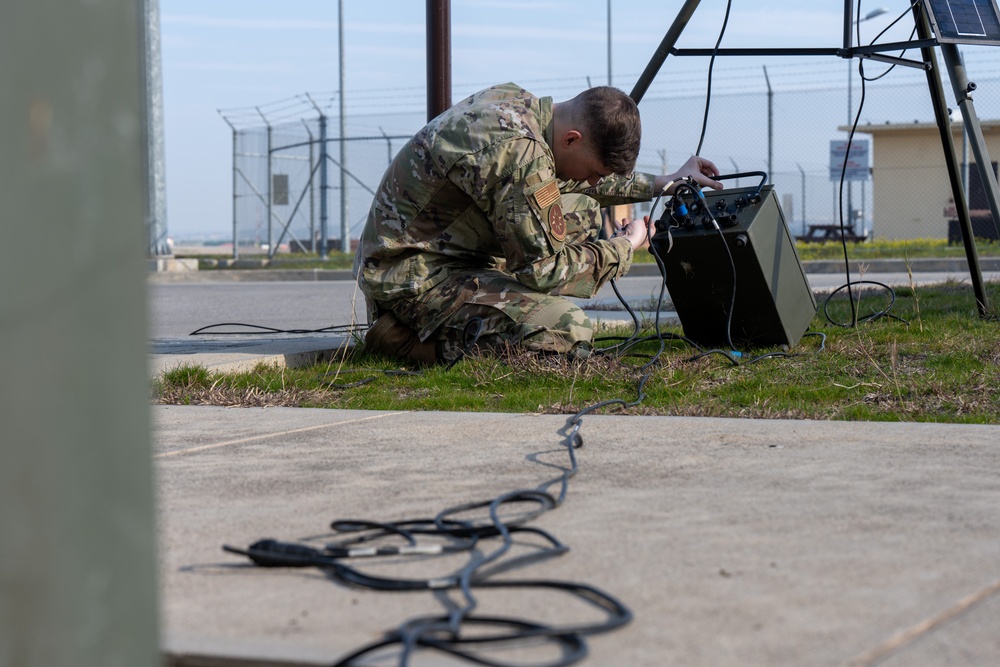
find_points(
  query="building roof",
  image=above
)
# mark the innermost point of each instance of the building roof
(887, 128)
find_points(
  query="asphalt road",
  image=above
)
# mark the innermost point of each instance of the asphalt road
(177, 309)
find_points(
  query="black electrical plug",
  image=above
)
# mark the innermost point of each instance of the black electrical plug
(272, 553)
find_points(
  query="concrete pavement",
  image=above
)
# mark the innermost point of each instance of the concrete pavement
(749, 542)
(745, 542)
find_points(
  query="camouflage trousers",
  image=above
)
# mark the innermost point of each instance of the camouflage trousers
(511, 315)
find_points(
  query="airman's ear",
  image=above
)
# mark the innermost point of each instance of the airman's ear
(571, 136)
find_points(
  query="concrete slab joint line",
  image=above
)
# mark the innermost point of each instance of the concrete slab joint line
(910, 635)
(268, 436)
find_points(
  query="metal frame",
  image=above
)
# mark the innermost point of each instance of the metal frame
(961, 86)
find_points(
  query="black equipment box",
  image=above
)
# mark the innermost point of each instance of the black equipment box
(774, 304)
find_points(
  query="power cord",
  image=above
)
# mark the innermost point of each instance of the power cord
(711, 67)
(257, 328)
(448, 534)
(850, 284)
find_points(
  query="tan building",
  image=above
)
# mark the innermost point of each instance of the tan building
(912, 193)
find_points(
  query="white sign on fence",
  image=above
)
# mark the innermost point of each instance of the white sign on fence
(857, 164)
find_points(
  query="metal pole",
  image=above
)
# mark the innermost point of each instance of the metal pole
(864, 201)
(835, 202)
(847, 153)
(438, 57)
(965, 161)
(323, 182)
(663, 50)
(388, 144)
(848, 26)
(345, 227)
(270, 233)
(609, 42)
(312, 191)
(324, 186)
(770, 124)
(951, 160)
(156, 203)
(270, 198)
(963, 92)
(802, 173)
(849, 23)
(236, 245)
(236, 239)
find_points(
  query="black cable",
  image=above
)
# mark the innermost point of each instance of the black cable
(349, 371)
(449, 634)
(875, 315)
(711, 66)
(849, 284)
(908, 11)
(257, 328)
(636, 326)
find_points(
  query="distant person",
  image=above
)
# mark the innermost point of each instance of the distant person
(490, 216)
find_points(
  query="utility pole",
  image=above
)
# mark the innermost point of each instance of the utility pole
(438, 57)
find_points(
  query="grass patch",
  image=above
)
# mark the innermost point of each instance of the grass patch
(945, 370)
(884, 249)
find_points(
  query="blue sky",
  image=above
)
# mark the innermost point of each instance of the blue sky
(233, 54)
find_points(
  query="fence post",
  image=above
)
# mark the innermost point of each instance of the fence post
(802, 174)
(236, 237)
(323, 187)
(270, 234)
(312, 203)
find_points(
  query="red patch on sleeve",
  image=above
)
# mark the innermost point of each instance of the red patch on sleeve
(557, 224)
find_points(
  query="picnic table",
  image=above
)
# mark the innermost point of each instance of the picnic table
(824, 233)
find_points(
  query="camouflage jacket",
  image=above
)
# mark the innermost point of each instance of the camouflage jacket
(477, 188)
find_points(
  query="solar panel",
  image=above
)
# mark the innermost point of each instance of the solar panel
(965, 21)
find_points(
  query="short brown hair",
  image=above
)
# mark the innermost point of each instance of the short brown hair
(611, 119)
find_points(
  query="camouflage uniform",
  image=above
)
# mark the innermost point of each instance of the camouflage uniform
(470, 221)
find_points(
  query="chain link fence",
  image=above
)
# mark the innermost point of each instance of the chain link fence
(295, 190)
(298, 185)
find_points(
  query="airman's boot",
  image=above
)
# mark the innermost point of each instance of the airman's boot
(390, 337)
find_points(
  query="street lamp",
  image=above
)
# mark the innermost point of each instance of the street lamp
(850, 106)
(609, 42)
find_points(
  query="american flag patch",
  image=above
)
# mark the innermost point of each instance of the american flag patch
(548, 195)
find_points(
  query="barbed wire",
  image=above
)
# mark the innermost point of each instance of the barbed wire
(678, 84)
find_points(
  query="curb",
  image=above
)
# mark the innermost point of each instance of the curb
(929, 265)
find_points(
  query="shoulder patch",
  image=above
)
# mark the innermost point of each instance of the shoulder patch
(547, 195)
(557, 224)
